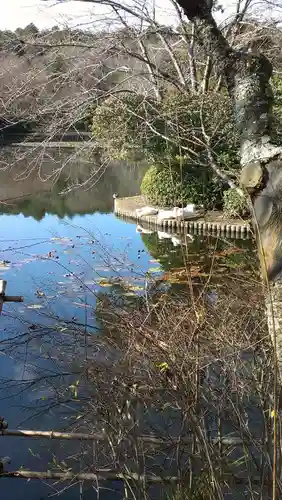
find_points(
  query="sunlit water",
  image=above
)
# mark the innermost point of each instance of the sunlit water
(59, 264)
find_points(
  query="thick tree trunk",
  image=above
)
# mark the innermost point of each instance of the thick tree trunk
(247, 77)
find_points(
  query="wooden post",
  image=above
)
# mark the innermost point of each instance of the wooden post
(3, 285)
(7, 298)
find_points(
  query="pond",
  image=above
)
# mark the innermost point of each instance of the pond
(60, 248)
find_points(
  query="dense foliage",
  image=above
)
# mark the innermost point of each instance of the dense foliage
(235, 205)
(120, 127)
(169, 186)
(136, 105)
(128, 124)
(171, 132)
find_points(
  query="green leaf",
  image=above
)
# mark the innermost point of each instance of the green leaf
(155, 270)
(136, 288)
(163, 367)
(74, 390)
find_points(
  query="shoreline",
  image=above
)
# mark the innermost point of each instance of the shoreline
(212, 222)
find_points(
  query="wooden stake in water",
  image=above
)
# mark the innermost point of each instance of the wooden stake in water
(7, 298)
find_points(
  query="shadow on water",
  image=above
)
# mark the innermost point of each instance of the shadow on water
(174, 251)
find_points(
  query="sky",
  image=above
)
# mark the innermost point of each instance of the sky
(48, 13)
(19, 13)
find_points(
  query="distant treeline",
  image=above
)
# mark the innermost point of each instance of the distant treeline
(52, 79)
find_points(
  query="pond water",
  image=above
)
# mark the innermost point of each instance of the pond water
(59, 251)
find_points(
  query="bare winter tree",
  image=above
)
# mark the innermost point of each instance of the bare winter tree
(246, 73)
(162, 353)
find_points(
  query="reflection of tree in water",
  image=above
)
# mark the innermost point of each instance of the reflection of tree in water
(163, 250)
(209, 261)
(163, 340)
(37, 198)
(39, 204)
(208, 251)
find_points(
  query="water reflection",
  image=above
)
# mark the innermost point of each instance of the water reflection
(174, 250)
(56, 244)
(66, 265)
(208, 317)
(63, 183)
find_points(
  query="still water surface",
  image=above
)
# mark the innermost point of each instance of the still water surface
(59, 251)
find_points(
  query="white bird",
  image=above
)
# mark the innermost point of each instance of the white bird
(115, 196)
(142, 230)
(190, 237)
(189, 212)
(141, 212)
(190, 207)
(168, 214)
(176, 241)
(164, 236)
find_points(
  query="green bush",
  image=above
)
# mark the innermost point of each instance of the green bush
(235, 205)
(128, 124)
(120, 127)
(169, 186)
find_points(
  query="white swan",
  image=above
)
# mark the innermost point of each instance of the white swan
(141, 212)
(168, 214)
(189, 212)
(190, 237)
(190, 207)
(176, 241)
(164, 236)
(142, 230)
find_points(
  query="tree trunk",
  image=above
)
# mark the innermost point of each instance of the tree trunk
(207, 74)
(247, 77)
(193, 69)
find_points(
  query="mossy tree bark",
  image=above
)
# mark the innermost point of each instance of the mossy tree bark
(247, 75)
